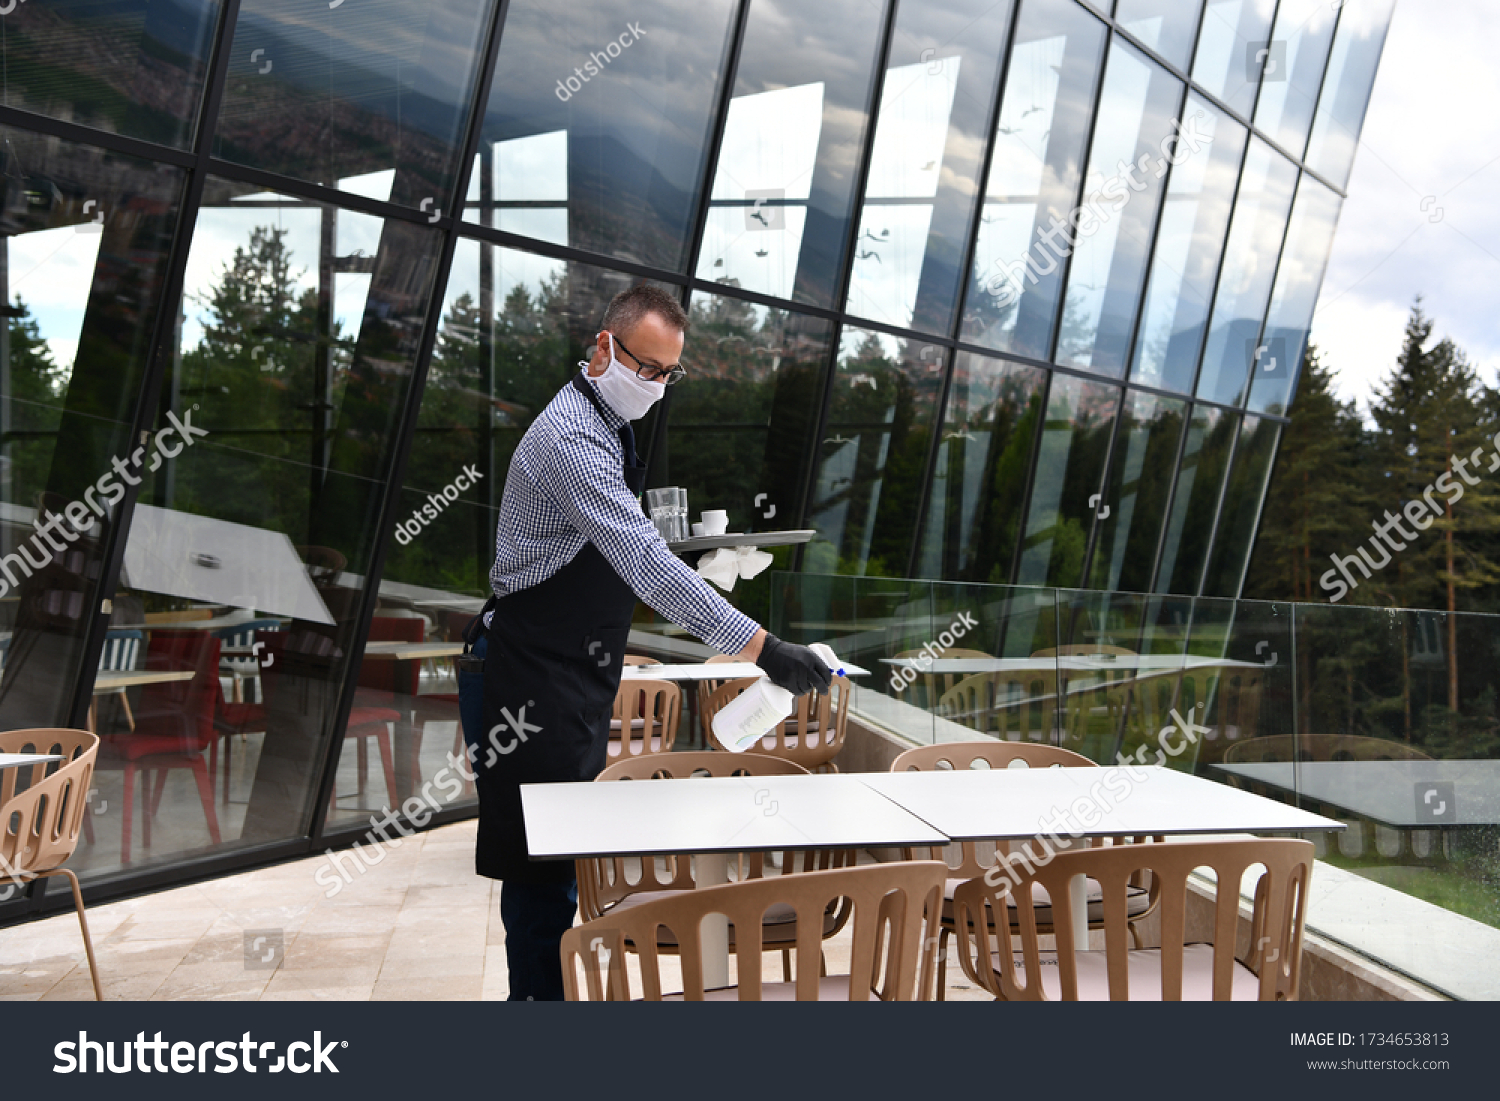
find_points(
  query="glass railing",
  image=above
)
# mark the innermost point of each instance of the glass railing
(1383, 719)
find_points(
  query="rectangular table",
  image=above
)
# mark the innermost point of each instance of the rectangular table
(714, 817)
(20, 760)
(1022, 803)
(723, 670)
(1401, 794)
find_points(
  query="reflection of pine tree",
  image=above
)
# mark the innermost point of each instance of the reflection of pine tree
(250, 381)
(37, 384)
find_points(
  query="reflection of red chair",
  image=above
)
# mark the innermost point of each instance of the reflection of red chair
(174, 724)
(379, 686)
(365, 721)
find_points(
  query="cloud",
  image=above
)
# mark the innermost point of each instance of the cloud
(1420, 217)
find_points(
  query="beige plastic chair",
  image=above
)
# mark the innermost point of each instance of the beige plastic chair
(895, 908)
(972, 861)
(811, 736)
(39, 825)
(1099, 694)
(645, 718)
(1177, 971)
(605, 883)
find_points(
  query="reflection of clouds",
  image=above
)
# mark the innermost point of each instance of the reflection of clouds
(52, 270)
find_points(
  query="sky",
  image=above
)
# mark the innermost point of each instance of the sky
(1421, 218)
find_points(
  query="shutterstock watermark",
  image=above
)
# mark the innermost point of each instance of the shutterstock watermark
(1416, 513)
(77, 512)
(1056, 243)
(505, 737)
(436, 502)
(932, 650)
(567, 87)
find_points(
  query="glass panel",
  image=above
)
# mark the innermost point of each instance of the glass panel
(1133, 138)
(371, 99)
(873, 456)
(132, 67)
(84, 242)
(1205, 458)
(597, 129)
(778, 221)
(978, 487)
(1240, 512)
(1167, 26)
(1346, 88)
(1189, 242)
(1035, 173)
(1255, 234)
(1065, 491)
(1394, 738)
(929, 141)
(1233, 48)
(741, 426)
(249, 551)
(1135, 497)
(1309, 238)
(1299, 50)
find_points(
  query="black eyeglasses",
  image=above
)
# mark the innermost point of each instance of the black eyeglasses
(668, 376)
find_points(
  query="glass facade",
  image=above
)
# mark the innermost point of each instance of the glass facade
(1011, 294)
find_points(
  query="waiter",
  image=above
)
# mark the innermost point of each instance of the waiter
(573, 553)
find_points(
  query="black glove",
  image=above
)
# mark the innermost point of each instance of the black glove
(793, 667)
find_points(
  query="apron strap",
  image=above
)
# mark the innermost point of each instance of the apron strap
(627, 434)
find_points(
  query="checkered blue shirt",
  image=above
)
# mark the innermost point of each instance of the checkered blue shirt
(565, 489)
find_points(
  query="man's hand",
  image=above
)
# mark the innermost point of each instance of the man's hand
(793, 667)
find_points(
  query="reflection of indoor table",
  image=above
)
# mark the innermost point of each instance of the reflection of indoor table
(1020, 804)
(1400, 794)
(115, 680)
(1083, 663)
(713, 818)
(404, 741)
(20, 760)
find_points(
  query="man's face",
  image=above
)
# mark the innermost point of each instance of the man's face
(655, 342)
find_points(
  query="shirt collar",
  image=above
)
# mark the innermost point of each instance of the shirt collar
(611, 418)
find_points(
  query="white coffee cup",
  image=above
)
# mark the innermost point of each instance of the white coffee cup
(697, 530)
(715, 522)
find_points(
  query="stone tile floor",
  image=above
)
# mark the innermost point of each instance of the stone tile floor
(418, 926)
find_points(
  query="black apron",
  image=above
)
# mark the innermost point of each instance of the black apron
(550, 677)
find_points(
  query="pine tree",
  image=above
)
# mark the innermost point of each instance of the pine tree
(1431, 416)
(1319, 498)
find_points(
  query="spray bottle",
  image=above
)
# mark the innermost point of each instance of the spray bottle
(752, 714)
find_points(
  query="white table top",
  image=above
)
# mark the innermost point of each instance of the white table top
(17, 760)
(112, 680)
(1019, 803)
(724, 670)
(1464, 793)
(707, 815)
(407, 651)
(1151, 663)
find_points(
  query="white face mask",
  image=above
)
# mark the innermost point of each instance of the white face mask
(627, 393)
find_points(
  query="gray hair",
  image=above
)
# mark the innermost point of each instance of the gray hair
(630, 307)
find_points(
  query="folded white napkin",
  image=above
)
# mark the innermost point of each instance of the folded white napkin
(752, 560)
(721, 567)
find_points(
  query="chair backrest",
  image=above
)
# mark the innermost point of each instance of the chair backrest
(642, 659)
(1275, 954)
(185, 708)
(39, 825)
(121, 649)
(973, 856)
(937, 683)
(603, 881)
(812, 735)
(896, 907)
(647, 711)
(1321, 747)
(380, 673)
